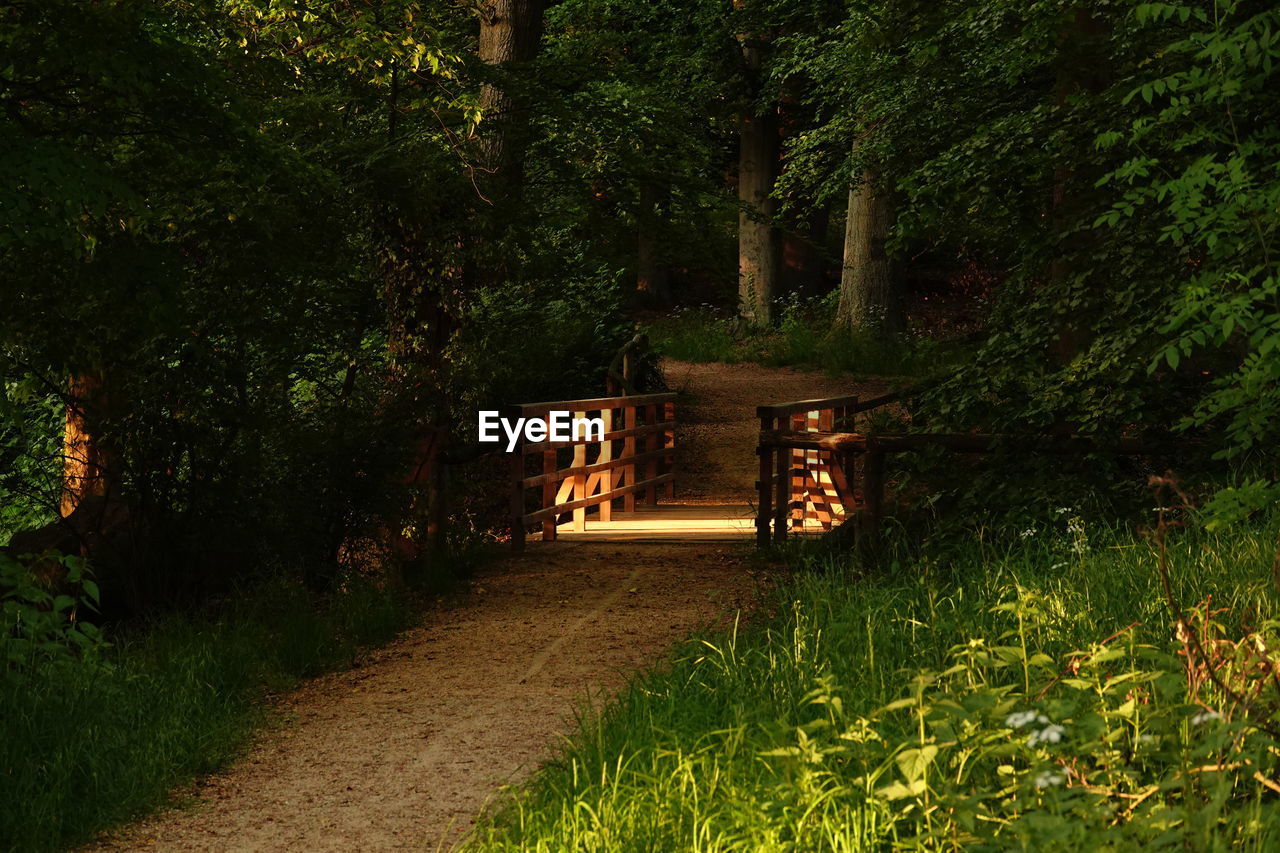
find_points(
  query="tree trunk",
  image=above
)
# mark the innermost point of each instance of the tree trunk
(509, 33)
(84, 461)
(757, 238)
(870, 298)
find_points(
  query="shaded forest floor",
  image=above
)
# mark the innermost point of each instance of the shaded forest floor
(405, 749)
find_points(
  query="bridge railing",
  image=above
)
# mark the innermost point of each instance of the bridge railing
(803, 483)
(810, 450)
(635, 456)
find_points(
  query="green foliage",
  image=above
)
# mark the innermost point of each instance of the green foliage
(804, 337)
(91, 740)
(42, 622)
(30, 423)
(1202, 163)
(1011, 692)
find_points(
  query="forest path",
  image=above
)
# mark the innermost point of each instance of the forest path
(406, 749)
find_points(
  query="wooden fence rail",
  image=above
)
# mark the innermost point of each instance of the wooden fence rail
(635, 456)
(803, 481)
(804, 459)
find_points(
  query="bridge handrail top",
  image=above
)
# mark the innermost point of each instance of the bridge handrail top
(595, 403)
(852, 402)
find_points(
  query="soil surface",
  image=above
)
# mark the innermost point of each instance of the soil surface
(405, 750)
(717, 427)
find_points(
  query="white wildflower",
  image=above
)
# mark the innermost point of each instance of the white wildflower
(1049, 779)
(1049, 734)
(1018, 719)
(1057, 566)
(1205, 716)
(1028, 533)
(1148, 739)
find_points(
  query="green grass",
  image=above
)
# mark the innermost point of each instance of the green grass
(803, 338)
(777, 736)
(85, 744)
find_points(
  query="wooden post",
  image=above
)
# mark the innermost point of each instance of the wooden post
(782, 491)
(606, 455)
(873, 490)
(795, 475)
(549, 466)
(579, 482)
(629, 451)
(651, 444)
(517, 498)
(669, 442)
(764, 485)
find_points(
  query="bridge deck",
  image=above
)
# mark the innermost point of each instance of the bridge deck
(668, 522)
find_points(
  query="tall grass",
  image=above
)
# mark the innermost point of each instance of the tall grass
(88, 743)
(782, 735)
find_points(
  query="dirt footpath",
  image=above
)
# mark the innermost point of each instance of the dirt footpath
(405, 750)
(717, 427)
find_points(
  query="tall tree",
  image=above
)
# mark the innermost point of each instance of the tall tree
(870, 298)
(510, 31)
(758, 152)
(85, 462)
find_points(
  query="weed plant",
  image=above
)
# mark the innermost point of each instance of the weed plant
(1034, 692)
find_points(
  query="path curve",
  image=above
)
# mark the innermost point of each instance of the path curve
(405, 750)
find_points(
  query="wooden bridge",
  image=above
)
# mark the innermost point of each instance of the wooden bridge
(817, 471)
(621, 486)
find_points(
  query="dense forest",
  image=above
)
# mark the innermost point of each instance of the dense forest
(264, 260)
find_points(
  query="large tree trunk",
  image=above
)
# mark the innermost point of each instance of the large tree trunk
(757, 238)
(85, 464)
(509, 33)
(870, 298)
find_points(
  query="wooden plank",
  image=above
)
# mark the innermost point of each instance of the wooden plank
(650, 445)
(669, 442)
(799, 470)
(629, 451)
(595, 499)
(782, 494)
(549, 464)
(608, 436)
(593, 404)
(623, 461)
(873, 497)
(579, 484)
(606, 474)
(967, 442)
(782, 410)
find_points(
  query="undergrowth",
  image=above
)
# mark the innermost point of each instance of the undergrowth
(804, 337)
(1035, 692)
(92, 734)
